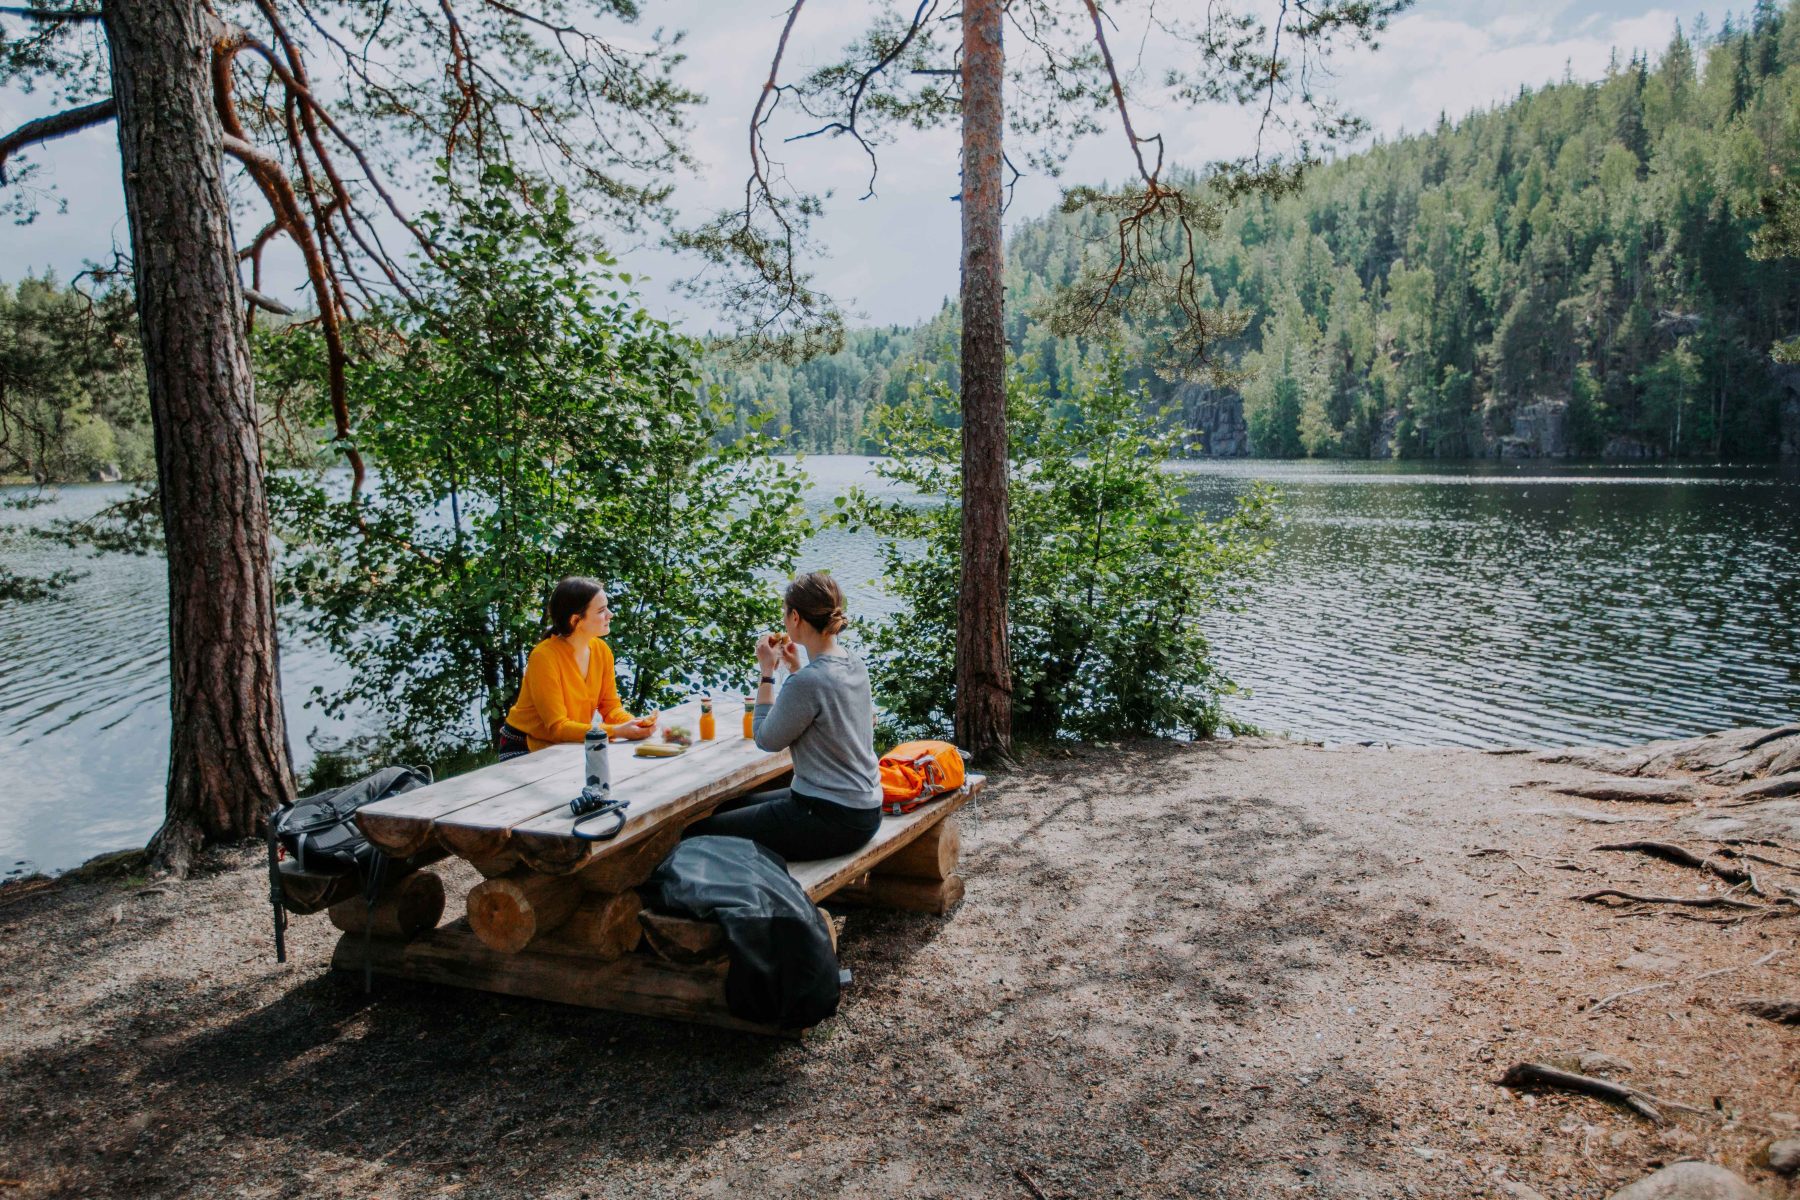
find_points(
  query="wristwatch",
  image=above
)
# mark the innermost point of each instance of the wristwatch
(769, 679)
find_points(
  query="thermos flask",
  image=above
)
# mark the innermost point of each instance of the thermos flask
(599, 772)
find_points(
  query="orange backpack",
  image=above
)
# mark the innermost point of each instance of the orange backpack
(914, 772)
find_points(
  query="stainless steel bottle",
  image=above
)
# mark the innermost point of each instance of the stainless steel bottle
(599, 771)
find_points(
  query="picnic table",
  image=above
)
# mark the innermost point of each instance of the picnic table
(557, 917)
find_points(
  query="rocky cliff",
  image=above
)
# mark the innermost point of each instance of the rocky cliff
(1788, 376)
(1215, 417)
(1539, 429)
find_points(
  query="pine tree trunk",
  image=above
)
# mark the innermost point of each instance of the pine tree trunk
(983, 661)
(228, 756)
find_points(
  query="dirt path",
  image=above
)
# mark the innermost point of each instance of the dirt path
(1232, 970)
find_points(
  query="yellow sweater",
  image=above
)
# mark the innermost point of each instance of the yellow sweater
(557, 702)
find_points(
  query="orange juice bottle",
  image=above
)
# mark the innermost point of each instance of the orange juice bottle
(708, 727)
(749, 716)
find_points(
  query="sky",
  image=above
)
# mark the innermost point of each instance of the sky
(893, 259)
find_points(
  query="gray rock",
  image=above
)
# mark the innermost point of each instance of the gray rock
(1787, 760)
(1652, 791)
(1519, 1191)
(1776, 820)
(1688, 1181)
(1787, 378)
(1768, 789)
(1626, 448)
(1539, 430)
(1215, 419)
(1593, 1062)
(1784, 1156)
(1383, 445)
(1655, 962)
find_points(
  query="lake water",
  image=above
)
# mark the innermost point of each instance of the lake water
(1473, 604)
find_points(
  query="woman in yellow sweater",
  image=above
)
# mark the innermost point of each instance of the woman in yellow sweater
(569, 678)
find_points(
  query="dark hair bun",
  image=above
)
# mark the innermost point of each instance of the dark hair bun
(819, 600)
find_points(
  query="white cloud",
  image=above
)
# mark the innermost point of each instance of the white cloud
(895, 257)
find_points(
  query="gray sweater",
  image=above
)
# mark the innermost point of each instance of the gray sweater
(826, 716)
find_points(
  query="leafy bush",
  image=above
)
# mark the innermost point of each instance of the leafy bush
(1110, 568)
(528, 420)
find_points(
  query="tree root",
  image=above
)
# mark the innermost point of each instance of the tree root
(1531, 1074)
(1682, 856)
(1685, 901)
(1645, 1104)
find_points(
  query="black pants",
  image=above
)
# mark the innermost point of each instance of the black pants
(792, 824)
(511, 744)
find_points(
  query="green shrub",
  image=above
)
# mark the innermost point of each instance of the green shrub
(527, 420)
(1111, 569)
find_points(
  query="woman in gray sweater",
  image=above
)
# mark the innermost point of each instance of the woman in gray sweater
(826, 716)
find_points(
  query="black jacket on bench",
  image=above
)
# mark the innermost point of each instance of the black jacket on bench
(783, 970)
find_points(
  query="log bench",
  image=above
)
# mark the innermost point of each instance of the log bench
(558, 918)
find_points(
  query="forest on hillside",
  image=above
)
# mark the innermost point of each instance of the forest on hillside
(1570, 273)
(72, 399)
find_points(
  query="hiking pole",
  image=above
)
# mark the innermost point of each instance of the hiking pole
(275, 890)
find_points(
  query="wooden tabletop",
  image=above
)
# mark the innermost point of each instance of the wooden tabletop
(518, 811)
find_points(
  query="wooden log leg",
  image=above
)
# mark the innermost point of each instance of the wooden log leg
(634, 983)
(894, 891)
(407, 907)
(602, 927)
(493, 868)
(932, 855)
(686, 940)
(682, 939)
(508, 912)
(630, 866)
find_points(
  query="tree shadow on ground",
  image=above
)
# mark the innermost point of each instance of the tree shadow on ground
(444, 1080)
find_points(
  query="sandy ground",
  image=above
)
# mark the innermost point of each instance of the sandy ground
(1231, 970)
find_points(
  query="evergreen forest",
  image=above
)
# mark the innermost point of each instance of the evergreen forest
(1573, 273)
(1568, 274)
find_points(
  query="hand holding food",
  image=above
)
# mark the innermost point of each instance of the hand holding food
(637, 729)
(768, 651)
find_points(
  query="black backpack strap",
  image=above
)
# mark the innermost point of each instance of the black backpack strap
(378, 863)
(612, 808)
(275, 887)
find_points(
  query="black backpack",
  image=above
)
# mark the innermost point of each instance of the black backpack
(320, 836)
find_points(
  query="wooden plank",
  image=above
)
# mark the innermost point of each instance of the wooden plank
(404, 824)
(480, 831)
(827, 875)
(631, 866)
(484, 831)
(696, 780)
(635, 983)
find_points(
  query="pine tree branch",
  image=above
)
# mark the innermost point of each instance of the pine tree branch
(50, 14)
(56, 125)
